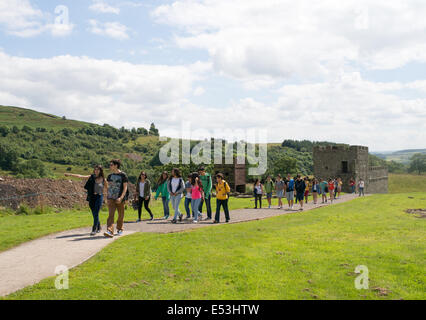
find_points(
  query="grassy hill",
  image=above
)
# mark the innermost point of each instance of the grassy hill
(20, 117)
(402, 156)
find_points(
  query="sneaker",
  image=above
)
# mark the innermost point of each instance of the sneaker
(108, 234)
(195, 221)
(207, 219)
(174, 221)
(93, 233)
(269, 207)
(165, 218)
(120, 233)
(180, 217)
(227, 221)
(187, 218)
(152, 218)
(215, 221)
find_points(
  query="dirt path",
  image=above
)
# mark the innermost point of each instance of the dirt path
(36, 260)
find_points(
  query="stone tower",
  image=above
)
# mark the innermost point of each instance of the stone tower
(349, 162)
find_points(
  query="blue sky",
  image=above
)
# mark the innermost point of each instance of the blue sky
(351, 73)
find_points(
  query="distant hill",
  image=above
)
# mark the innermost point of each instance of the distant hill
(401, 156)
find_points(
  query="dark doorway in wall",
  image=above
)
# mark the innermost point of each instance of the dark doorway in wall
(345, 167)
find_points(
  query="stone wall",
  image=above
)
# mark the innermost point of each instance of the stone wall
(377, 180)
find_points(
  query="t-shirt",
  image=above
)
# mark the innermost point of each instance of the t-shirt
(195, 192)
(175, 184)
(268, 186)
(188, 185)
(115, 185)
(280, 185)
(331, 186)
(323, 184)
(361, 184)
(300, 186)
(258, 189)
(141, 189)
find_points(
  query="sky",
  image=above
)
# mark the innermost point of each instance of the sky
(343, 71)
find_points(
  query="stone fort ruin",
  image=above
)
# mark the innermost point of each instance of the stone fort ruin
(349, 162)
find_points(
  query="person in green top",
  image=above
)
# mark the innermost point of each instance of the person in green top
(165, 195)
(324, 190)
(269, 186)
(206, 181)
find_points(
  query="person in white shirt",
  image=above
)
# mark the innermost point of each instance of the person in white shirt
(176, 186)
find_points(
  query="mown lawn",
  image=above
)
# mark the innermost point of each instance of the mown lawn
(17, 229)
(299, 256)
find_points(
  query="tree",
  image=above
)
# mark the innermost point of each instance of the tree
(418, 163)
(4, 131)
(153, 131)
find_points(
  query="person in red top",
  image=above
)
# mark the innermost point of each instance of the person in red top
(352, 185)
(331, 187)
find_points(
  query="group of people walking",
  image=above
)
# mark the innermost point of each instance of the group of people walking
(196, 190)
(299, 189)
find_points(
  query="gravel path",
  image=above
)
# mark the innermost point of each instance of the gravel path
(36, 260)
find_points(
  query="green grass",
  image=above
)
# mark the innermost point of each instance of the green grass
(14, 116)
(17, 229)
(400, 183)
(299, 256)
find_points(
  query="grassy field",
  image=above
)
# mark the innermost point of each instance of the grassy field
(299, 256)
(17, 229)
(399, 183)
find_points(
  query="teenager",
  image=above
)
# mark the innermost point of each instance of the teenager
(197, 194)
(269, 186)
(300, 187)
(361, 186)
(308, 189)
(290, 191)
(206, 180)
(339, 187)
(143, 195)
(331, 187)
(164, 193)
(324, 190)
(222, 197)
(336, 187)
(352, 184)
(316, 190)
(188, 190)
(258, 193)
(118, 193)
(96, 186)
(176, 186)
(279, 189)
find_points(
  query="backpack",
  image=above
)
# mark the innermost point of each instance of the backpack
(291, 185)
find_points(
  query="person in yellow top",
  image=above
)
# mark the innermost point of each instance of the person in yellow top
(308, 185)
(339, 187)
(222, 197)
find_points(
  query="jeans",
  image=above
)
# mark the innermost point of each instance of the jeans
(95, 205)
(257, 197)
(223, 203)
(145, 203)
(175, 204)
(195, 204)
(361, 192)
(353, 189)
(166, 207)
(187, 203)
(208, 206)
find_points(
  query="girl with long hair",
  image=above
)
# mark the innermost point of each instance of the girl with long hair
(165, 195)
(143, 194)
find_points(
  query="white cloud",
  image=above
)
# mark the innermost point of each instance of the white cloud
(22, 19)
(101, 6)
(101, 91)
(199, 91)
(114, 30)
(283, 39)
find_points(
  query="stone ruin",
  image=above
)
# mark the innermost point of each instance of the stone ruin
(235, 175)
(349, 162)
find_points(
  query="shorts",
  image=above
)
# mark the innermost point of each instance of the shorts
(269, 195)
(300, 196)
(290, 195)
(280, 193)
